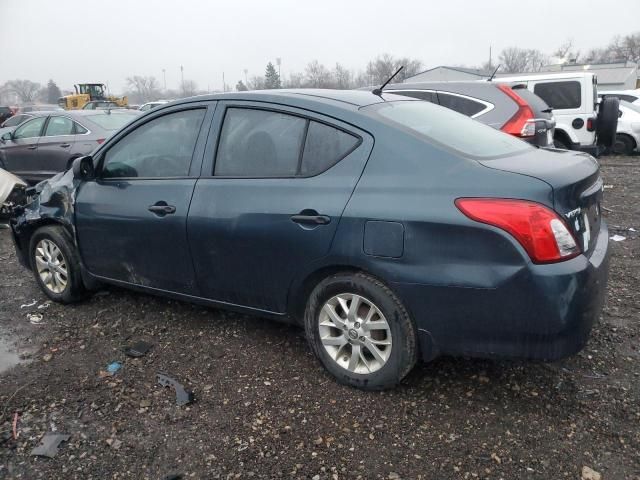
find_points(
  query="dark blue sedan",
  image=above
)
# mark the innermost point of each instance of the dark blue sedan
(392, 229)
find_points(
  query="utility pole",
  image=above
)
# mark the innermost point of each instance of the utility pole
(164, 77)
(490, 65)
(224, 84)
(246, 82)
(182, 76)
(279, 62)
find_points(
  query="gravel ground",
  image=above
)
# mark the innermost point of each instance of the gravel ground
(265, 408)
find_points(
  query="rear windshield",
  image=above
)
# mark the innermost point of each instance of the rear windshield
(449, 129)
(111, 121)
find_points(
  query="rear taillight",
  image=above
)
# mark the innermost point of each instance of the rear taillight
(522, 124)
(591, 124)
(540, 230)
(100, 140)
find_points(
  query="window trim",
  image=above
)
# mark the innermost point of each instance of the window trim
(274, 109)
(103, 153)
(487, 105)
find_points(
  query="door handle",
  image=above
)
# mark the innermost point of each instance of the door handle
(65, 145)
(161, 209)
(32, 147)
(314, 219)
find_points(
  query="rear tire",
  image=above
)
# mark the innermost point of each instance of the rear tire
(360, 331)
(559, 143)
(56, 265)
(623, 145)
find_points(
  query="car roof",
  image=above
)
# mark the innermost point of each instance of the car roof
(347, 99)
(542, 76)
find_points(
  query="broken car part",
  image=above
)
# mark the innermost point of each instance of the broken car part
(138, 349)
(49, 444)
(11, 192)
(183, 397)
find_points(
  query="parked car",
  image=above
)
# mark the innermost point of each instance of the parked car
(628, 132)
(100, 105)
(631, 96)
(149, 105)
(514, 111)
(582, 123)
(47, 143)
(368, 219)
(11, 123)
(40, 108)
(5, 113)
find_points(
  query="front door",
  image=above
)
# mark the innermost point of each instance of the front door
(20, 154)
(131, 221)
(272, 202)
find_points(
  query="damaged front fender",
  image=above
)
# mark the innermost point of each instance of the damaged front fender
(49, 202)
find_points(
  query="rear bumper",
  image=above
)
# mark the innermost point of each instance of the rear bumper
(593, 150)
(542, 312)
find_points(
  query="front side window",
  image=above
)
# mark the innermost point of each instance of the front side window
(560, 95)
(30, 129)
(463, 105)
(162, 147)
(259, 143)
(59, 126)
(449, 129)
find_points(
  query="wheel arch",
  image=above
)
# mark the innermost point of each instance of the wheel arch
(563, 136)
(25, 231)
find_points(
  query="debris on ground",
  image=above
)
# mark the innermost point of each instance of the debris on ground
(47, 357)
(590, 474)
(173, 476)
(114, 367)
(139, 349)
(44, 306)
(49, 444)
(14, 425)
(183, 397)
(35, 318)
(617, 238)
(27, 305)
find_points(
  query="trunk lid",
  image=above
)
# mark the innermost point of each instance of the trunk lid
(576, 183)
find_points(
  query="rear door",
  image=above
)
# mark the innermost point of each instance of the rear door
(131, 222)
(55, 146)
(275, 182)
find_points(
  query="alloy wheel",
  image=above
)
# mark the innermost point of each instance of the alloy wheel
(355, 333)
(51, 266)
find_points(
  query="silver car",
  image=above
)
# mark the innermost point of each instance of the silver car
(50, 141)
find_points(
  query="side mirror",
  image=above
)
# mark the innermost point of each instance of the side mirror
(83, 168)
(6, 136)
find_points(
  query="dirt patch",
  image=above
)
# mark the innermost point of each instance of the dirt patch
(265, 408)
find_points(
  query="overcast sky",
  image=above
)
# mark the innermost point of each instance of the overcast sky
(105, 41)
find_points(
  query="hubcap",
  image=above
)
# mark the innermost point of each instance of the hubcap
(51, 266)
(355, 333)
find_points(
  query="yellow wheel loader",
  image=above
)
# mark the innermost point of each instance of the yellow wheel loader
(86, 92)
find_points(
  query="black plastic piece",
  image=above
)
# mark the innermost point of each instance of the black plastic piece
(183, 397)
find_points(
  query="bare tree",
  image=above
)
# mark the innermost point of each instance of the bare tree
(567, 52)
(26, 90)
(189, 88)
(143, 89)
(516, 60)
(296, 80)
(343, 77)
(256, 83)
(382, 67)
(318, 76)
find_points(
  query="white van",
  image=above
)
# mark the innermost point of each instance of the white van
(580, 123)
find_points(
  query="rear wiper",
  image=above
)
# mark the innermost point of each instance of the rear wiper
(547, 110)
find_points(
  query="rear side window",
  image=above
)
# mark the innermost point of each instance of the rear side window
(162, 147)
(420, 95)
(59, 126)
(448, 129)
(463, 105)
(324, 147)
(261, 143)
(560, 95)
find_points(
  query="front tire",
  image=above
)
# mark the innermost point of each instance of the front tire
(623, 145)
(56, 265)
(360, 331)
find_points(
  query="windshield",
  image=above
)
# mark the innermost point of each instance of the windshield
(111, 121)
(449, 129)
